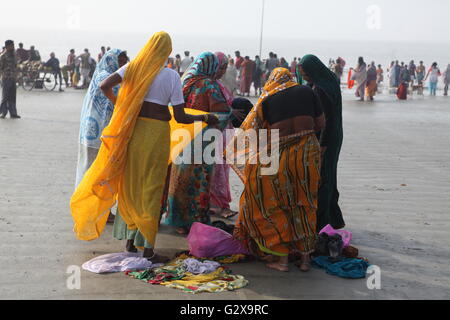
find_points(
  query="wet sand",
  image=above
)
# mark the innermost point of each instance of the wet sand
(394, 180)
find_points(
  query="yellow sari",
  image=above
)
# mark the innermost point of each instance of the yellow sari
(114, 168)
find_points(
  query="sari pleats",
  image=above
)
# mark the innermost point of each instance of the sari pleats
(278, 212)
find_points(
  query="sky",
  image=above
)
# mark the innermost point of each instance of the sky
(397, 20)
(378, 29)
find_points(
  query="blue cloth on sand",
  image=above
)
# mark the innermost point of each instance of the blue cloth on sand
(346, 268)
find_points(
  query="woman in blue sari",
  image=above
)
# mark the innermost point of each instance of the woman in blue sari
(189, 191)
(97, 111)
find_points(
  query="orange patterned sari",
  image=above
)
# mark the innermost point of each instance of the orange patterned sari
(278, 212)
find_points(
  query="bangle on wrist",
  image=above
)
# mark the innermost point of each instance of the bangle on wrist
(205, 118)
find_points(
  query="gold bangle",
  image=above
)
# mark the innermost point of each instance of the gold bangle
(206, 118)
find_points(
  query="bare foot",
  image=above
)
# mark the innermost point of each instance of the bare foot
(182, 231)
(278, 267)
(305, 263)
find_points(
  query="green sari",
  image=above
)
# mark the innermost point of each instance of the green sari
(328, 211)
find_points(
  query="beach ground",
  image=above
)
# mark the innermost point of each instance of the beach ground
(394, 179)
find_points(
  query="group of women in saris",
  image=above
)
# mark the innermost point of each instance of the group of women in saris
(279, 213)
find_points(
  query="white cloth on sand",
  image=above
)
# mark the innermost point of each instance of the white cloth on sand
(119, 262)
(196, 267)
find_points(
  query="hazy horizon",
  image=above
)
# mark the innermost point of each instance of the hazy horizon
(379, 30)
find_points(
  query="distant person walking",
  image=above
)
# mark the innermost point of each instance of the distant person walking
(185, 63)
(247, 68)
(8, 66)
(239, 60)
(53, 64)
(420, 72)
(397, 68)
(434, 73)
(380, 77)
(392, 75)
(257, 75)
(412, 71)
(101, 54)
(271, 63)
(371, 86)
(360, 76)
(22, 54)
(229, 80)
(446, 76)
(69, 68)
(85, 68)
(34, 55)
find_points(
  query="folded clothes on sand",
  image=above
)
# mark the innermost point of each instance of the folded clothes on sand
(176, 275)
(118, 262)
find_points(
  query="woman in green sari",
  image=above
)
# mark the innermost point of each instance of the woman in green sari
(189, 192)
(326, 85)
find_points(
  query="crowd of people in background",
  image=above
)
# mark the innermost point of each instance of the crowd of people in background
(244, 73)
(402, 79)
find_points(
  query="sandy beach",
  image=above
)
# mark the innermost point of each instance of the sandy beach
(395, 194)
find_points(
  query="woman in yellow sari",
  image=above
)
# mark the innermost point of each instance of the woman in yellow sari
(278, 211)
(132, 163)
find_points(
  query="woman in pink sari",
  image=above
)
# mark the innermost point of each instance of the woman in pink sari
(220, 185)
(247, 69)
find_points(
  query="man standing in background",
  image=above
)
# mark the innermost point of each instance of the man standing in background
(185, 63)
(101, 54)
(239, 60)
(412, 72)
(34, 54)
(69, 68)
(177, 63)
(22, 54)
(8, 65)
(85, 67)
(53, 63)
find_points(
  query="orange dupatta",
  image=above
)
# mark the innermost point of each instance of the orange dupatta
(279, 80)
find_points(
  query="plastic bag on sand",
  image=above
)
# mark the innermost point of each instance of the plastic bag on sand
(209, 242)
(346, 235)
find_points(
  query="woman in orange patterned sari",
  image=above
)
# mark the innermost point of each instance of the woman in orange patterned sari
(278, 211)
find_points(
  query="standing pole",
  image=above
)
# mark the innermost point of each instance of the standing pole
(262, 28)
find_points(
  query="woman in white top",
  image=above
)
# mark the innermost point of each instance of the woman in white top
(141, 190)
(434, 73)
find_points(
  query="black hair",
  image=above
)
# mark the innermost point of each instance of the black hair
(123, 54)
(8, 43)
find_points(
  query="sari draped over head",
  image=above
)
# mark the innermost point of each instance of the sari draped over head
(280, 79)
(97, 109)
(190, 184)
(329, 211)
(277, 210)
(96, 113)
(97, 192)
